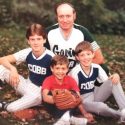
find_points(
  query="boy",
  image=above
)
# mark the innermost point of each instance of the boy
(86, 73)
(59, 80)
(37, 59)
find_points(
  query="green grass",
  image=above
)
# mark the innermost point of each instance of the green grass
(113, 48)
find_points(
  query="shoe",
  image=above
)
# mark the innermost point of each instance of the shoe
(78, 121)
(3, 105)
(122, 118)
(64, 120)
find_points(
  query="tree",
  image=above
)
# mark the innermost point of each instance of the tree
(5, 11)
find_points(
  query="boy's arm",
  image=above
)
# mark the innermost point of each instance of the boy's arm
(6, 62)
(46, 97)
(81, 108)
(115, 78)
(87, 115)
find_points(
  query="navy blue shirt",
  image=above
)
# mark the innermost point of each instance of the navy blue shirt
(38, 69)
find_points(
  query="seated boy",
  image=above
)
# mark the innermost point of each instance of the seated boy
(59, 80)
(38, 59)
(86, 73)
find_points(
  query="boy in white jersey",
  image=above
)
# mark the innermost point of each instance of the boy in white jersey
(38, 59)
(86, 73)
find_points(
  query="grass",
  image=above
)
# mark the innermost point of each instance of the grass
(113, 48)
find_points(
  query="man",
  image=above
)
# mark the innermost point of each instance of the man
(64, 36)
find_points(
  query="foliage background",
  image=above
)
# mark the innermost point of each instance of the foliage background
(100, 16)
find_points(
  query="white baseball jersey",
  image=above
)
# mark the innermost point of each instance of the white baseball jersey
(59, 45)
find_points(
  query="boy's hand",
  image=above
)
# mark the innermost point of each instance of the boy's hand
(89, 117)
(14, 77)
(115, 78)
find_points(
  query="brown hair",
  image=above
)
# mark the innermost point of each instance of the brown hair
(84, 45)
(59, 4)
(36, 29)
(59, 59)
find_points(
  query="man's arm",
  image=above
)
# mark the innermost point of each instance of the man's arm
(98, 58)
(46, 97)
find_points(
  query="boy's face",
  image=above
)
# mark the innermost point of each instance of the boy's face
(59, 71)
(85, 58)
(36, 42)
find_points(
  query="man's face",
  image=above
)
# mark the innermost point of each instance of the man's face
(65, 16)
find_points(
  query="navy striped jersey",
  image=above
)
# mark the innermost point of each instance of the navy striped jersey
(39, 68)
(86, 82)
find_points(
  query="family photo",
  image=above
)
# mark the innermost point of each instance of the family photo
(62, 62)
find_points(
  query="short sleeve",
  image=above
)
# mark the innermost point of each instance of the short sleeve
(21, 55)
(46, 84)
(73, 83)
(102, 76)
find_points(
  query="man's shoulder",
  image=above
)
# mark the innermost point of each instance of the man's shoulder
(52, 27)
(80, 27)
(85, 32)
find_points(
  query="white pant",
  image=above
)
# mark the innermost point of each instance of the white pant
(94, 102)
(31, 94)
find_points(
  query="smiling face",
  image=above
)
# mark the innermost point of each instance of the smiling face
(59, 66)
(36, 42)
(36, 38)
(59, 71)
(85, 58)
(84, 53)
(65, 16)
